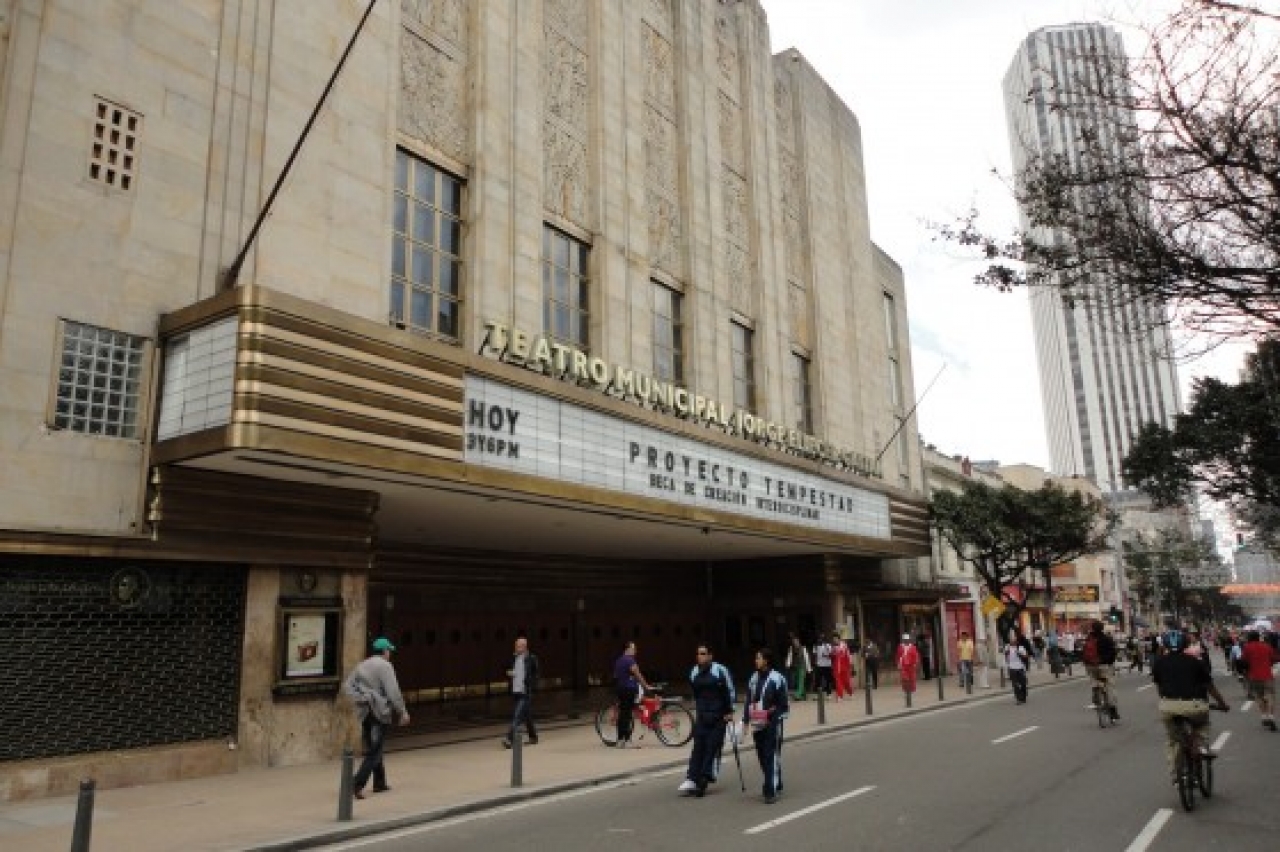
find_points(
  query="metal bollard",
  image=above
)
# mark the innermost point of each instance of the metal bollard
(908, 695)
(968, 682)
(83, 830)
(822, 707)
(940, 678)
(866, 687)
(1002, 677)
(345, 790)
(517, 766)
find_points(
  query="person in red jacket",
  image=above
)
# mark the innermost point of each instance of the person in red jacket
(1258, 657)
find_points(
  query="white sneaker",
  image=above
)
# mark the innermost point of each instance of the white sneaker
(687, 786)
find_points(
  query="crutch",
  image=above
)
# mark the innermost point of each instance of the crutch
(733, 738)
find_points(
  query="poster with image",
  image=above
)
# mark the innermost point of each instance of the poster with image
(305, 645)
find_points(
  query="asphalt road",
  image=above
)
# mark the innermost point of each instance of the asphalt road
(986, 776)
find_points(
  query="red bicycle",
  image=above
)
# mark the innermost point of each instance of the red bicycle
(666, 716)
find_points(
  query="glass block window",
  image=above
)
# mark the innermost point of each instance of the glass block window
(744, 370)
(426, 248)
(113, 159)
(802, 393)
(565, 288)
(668, 334)
(99, 381)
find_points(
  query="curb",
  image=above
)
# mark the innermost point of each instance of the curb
(355, 832)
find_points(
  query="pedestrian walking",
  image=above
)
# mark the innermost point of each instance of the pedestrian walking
(842, 668)
(523, 680)
(964, 650)
(1037, 642)
(799, 665)
(925, 650)
(871, 653)
(764, 710)
(822, 679)
(628, 681)
(374, 690)
(908, 659)
(1016, 659)
(1258, 658)
(1067, 643)
(713, 700)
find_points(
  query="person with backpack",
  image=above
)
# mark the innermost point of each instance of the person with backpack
(1099, 658)
(713, 699)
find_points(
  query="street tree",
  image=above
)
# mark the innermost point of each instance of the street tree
(1168, 201)
(1166, 573)
(1012, 536)
(1226, 445)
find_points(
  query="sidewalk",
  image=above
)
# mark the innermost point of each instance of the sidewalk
(296, 807)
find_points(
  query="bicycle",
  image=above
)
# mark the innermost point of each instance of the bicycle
(1193, 766)
(1103, 705)
(666, 716)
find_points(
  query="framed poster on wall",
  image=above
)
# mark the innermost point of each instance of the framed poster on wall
(308, 645)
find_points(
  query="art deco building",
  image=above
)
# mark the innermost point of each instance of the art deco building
(1101, 379)
(565, 320)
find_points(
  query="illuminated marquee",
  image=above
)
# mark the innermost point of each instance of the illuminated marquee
(568, 363)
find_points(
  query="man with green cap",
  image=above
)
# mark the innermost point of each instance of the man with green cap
(376, 694)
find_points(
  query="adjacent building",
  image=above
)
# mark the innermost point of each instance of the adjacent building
(1104, 372)
(565, 321)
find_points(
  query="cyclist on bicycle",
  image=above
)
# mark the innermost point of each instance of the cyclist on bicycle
(1099, 656)
(1184, 684)
(628, 681)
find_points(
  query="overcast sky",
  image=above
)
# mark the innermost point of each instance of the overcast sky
(924, 78)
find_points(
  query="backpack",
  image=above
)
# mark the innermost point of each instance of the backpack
(1090, 655)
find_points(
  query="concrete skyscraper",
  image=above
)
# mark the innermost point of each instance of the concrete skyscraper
(1103, 374)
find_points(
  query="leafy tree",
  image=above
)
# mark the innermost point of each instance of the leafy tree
(1170, 197)
(1154, 566)
(1225, 445)
(1007, 534)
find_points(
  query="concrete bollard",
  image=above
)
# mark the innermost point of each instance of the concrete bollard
(83, 830)
(517, 764)
(822, 707)
(346, 794)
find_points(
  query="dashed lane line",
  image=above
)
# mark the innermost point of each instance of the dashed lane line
(1015, 734)
(1143, 841)
(774, 823)
(1220, 741)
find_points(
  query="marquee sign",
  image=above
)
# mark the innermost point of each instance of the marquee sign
(561, 361)
(524, 432)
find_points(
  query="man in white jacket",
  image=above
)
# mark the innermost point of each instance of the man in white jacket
(376, 693)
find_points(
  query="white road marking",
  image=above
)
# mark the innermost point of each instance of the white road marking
(1142, 688)
(1220, 741)
(1246, 707)
(1143, 841)
(1015, 734)
(462, 819)
(773, 823)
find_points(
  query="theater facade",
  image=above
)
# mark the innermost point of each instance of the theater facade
(565, 321)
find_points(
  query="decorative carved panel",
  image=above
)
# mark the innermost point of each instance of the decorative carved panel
(565, 179)
(730, 118)
(660, 150)
(569, 18)
(734, 189)
(727, 48)
(784, 108)
(664, 231)
(741, 291)
(432, 96)
(566, 77)
(659, 72)
(445, 18)
(798, 314)
(658, 13)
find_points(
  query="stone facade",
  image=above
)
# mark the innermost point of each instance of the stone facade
(663, 135)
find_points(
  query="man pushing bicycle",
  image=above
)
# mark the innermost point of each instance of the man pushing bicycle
(1185, 684)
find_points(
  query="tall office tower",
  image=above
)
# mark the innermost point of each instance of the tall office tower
(1104, 370)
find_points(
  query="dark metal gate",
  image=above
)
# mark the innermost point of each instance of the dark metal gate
(98, 655)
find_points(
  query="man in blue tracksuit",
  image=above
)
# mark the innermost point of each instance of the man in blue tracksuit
(713, 699)
(764, 710)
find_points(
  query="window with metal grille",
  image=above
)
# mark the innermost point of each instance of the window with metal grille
(113, 158)
(565, 288)
(99, 381)
(668, 334)
(426, 248)
(101, 655)
(744, 371)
